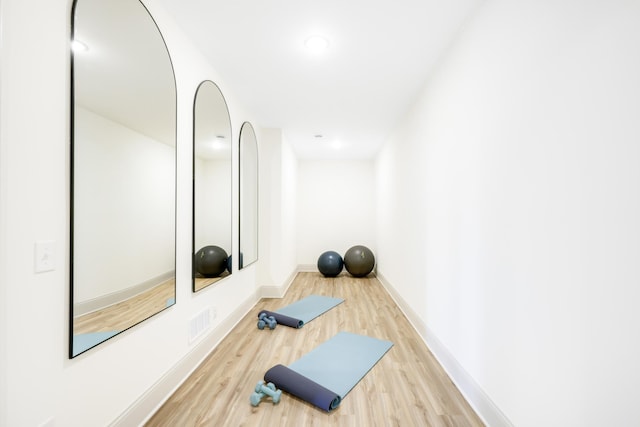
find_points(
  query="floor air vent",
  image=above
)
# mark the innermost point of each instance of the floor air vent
(199, 324)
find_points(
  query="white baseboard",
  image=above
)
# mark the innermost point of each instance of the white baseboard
(307, 267)
(277, 291)
(490, 414)
(147, 404)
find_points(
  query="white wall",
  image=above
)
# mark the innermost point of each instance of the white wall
(4, 220)
(278, 168)
(336, 207)
(513, 189)
(108, 383)
(289, 169)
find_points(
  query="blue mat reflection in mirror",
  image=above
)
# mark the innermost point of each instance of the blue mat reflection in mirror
(83, 342)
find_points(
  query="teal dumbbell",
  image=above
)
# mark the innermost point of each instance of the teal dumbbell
(261, 391)
(264, 320)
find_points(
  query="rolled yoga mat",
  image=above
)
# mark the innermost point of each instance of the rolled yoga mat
(325, 375)
(297, 314)
(293, 383)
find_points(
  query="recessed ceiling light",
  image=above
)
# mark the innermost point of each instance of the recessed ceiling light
(316, 44)
(78, 46)
(219, 143)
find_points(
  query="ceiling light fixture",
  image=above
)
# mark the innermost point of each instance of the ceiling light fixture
(316, 44)
(219, 143)
(78, 46)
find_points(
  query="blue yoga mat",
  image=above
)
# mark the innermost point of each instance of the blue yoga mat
(297, 314)
(325, 375)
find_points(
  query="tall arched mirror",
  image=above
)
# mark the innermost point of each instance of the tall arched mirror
(248, 196)
(212, 247)
(123, 157)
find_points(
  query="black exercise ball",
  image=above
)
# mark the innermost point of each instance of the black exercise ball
(330, 264)
(211, 261)
(359, 261)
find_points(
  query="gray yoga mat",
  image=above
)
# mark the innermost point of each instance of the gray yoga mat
(303, 311)
(325, 375)
(340, 363)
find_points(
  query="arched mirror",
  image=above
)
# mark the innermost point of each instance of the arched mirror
(248, 196)
(123, 171)
(212, 258)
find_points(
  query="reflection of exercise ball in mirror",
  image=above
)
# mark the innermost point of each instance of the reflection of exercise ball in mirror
(230, 262)
(211, 261)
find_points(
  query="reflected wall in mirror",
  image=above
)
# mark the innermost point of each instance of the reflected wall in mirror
(212, 258)
(248, 196)
(123, 157)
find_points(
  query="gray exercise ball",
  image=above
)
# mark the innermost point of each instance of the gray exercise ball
(330, 264)
(359, 261)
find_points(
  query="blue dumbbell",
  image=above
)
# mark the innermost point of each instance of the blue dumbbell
(264, 320)
(261, 391)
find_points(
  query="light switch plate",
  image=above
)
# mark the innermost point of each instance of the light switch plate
(45, 256)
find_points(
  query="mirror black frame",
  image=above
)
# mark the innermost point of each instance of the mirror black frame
(72, 192)
(209, 280)
(247, 126)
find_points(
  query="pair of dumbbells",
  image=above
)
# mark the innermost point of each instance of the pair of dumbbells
(263, 390)
(264, 320)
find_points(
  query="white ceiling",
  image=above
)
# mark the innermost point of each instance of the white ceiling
(353, 94)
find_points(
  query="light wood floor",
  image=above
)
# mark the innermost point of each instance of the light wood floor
(407, 387)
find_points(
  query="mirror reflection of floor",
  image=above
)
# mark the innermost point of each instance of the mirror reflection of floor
(203, 282)
(127, 313)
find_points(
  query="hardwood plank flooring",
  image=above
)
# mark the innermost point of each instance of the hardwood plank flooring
(407, 387)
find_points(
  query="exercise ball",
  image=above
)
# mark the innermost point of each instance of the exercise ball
(359, 261)
(330, 264)
(230, 263)
(211, 261)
